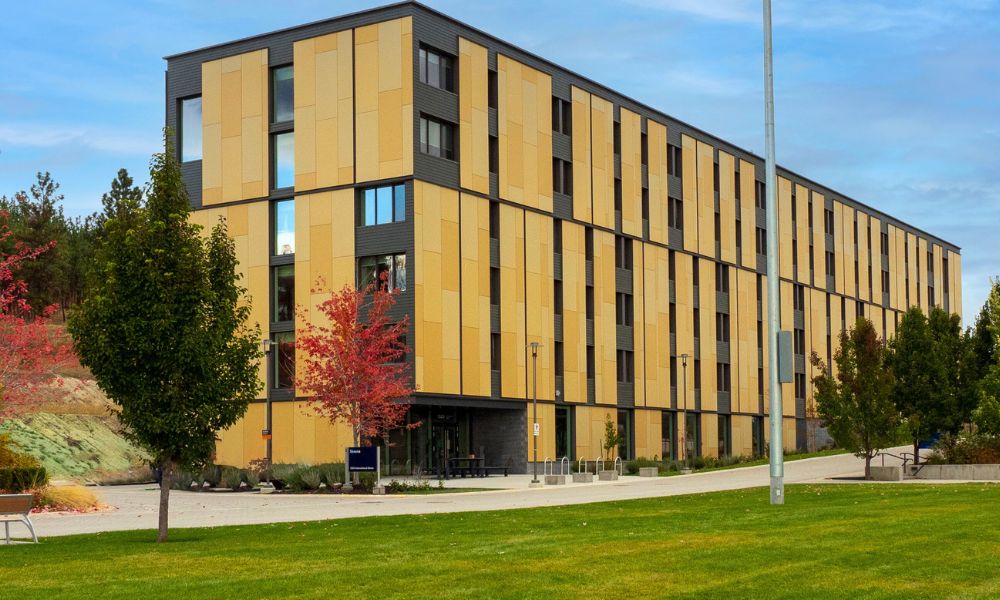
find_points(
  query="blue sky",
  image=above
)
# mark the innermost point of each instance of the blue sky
(896, 104)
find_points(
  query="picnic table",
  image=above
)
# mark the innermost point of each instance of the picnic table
(466, 467)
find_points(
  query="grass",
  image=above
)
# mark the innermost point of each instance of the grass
(830, 541)
(763, 461)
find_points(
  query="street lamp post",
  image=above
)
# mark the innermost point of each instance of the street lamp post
(683, 427)
(534, 409)
(265, 345)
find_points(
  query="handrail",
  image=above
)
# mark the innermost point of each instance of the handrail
(564, 461)
(545, 466)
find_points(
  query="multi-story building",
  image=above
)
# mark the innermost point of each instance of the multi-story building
(514, 201)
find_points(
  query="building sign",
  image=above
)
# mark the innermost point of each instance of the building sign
(362, 460)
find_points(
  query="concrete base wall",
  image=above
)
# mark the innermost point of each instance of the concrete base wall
(887, 473)
(964, 472)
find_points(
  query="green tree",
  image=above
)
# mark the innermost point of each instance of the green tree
(612, 437)
(987, 416)
(984, 334)
(953, 376)
(164, 327)
(856, 406)
(911, 359)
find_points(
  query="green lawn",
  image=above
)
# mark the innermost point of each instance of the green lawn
(840, 541)
(764, 461)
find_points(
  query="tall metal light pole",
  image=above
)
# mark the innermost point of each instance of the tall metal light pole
(684, 422)
(773, 291)
(534, 409)
(265, 345)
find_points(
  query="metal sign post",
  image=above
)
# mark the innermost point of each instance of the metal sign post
(773, 291)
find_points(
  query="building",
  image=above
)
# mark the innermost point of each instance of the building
(514, 201)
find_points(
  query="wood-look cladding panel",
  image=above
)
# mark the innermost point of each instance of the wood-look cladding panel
(817, 337)
(911, 270)
(955, 269)
(684, 300)
(583, 209)
(847, 264)
(605, 329)
(383, 66)
(246, 224)
(475, 294)
(897, 271)
(656, 309)
(574, 278)
(706, 295)
(639, 322)
(706, 200)
(785, 228)
(235, 128)
(656, 135)
(787, 324)
(819, 240)
(748, 215)
(923, 274)
(631, 172)
(689, 189)
(512, 310)
(746, 327)
(324, 111)
(525, 130)
(838, 246)
(938, 277)
(875, 242)
(727, 208)
(590, 429)
(802, 274)
(436, 289)
(539, 322)
(602, 158)
(473, 111)
(836, 328)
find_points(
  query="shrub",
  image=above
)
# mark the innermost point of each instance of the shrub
(285, 475)
(632, 467)
(251, 477)
(183, 479)
(10, 458)
(65, 497)
(231, 477)
(211, 474)
(311, 478)
(332, 473)
(17, 480)
(967, 449)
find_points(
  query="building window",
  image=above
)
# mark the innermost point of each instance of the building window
(386, 204)
(618, 196)
(494, 220)
(625, 418)
(831, 265)
(626, 368)
(387, 271)
(282, 95)
(884, 239)
(557, 300)
(494, 155)
(799, 339)
(885, 282)
(757, 435)
(492, 89)
(722, 327)
(190, 129)
(715, 177)
(590, 301)
(437, 69)
(562, 176)
(761, 241)
(283, 240)
(618, 138)
(283, 165)
(828, 221)
(283, 361)
(623, 253)
(283, 304)
(494, 286)
(668, 422)
(559, 359)
(725, 435)
(798, 297)
(675, 213)
(591, 369)
(697, 374)
(736, 185)
(623, 309)
(494, 351)
(722, 278)
(760, 195)
(800, 385)
(437, 138)
(644, 151)
(645, 204)
(692, 434)
(723, 374)
(696, 323)
(673, 160)
(562, 116)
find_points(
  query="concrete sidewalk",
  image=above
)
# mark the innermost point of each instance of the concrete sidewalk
(137, 504)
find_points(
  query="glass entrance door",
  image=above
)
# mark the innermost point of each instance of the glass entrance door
(444, 444)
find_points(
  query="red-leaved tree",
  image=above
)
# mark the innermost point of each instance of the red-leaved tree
(354, 370)
(32, 350)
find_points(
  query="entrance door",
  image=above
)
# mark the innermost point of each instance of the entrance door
(444, 444)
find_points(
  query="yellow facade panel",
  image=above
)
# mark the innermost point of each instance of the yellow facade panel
(847, 264)
(911, 270)
(684, 300)
(706, 200)
(785, 228)
(524, 120)
(955, 283)
(656, 307)
(706, 310)
(787, 324)
(324, 119)
(656, 135)
(473, 114)
(437, 355)
(819, 240)
(648, 433)
(605, 328)
(235, 128)
(383, 64)
(689, 189)
(582, 200)
(512, 334)
(631, 172)
(922, 275)
(817, 339)
(864, 289)
(574, 313)
(639, 322)
(838, 246)
(602, 156)
(938, 276)
(746, 326)
(590, 422)
(475, 293)
(540, 323)
(898, 269)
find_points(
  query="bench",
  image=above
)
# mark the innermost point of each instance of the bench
(488, 470)
(15, 508)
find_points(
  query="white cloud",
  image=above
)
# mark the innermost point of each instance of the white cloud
(35, 135)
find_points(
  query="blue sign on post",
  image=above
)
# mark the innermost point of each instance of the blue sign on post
(362, 460)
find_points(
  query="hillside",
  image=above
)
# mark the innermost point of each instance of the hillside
(77, 436)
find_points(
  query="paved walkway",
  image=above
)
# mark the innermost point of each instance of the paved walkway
(137, 504)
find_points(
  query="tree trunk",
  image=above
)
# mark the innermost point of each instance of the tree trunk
(916, 451)
(868, 466)
(166, 475)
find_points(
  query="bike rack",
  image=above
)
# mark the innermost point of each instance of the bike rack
(581, 465)
(564, 461)
(546, 467)
(599, 465)
(619, 466)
